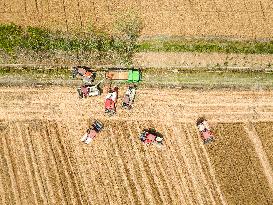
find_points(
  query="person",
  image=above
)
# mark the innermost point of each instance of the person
(89, 135)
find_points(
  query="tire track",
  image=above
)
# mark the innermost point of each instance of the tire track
(103, 173)
(165, 174)
(67, 158)
(73, 161)
(172, 159)
(64, 171)
(203, 163)
(35, 167)
(39, 150)
(30, 175)
(11, 195)
(130, 166)
(189, 166)
(16, 188)
(184, 172)
(58, 194)
(89, 180)
(122, 167)
(199, 166)
(256, 142)
(152, 171)
(212, 174)
(148, 187)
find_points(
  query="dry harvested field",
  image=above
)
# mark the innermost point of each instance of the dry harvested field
(42, 160)
(236, 19)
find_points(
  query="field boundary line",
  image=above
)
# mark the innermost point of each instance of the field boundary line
(254, 138)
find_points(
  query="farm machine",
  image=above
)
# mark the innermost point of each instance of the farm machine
(85, 73)
(92, 132)
(88, 90)
(204, 130)
(122, 74)
(151, 136)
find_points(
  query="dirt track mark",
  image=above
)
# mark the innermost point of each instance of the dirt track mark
(211, 171)
(166, 175)
(123, 167)
(65, 170)
(205, 164)
(16, 188)
(169, 160)
(28, 143)
(256, 142)
(175, 159)
(190, 179)
(129, 162)
(31, 180)
(156, 184)
(48, 162)
(140, 165)
(11, 194)
(198, 163)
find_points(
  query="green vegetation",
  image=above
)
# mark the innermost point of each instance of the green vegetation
(14, 38)
(206, 46)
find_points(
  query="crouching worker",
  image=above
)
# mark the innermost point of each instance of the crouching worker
(92, 132)
(204, 129)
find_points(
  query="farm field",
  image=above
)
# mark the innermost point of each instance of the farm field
(233, 19)
(43, 161)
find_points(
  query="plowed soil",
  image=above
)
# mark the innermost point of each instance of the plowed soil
(42, 160)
